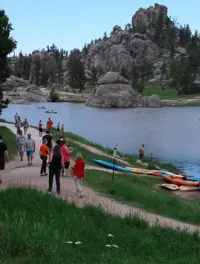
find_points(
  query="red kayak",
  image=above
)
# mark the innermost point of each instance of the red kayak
(157, 174)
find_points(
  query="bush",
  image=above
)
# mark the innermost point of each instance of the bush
(54, 96)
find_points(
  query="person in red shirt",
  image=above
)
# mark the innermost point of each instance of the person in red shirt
(79, 173)
(49, 124)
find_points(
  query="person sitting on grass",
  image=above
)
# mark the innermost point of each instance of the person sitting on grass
(3, 155)
(78, 172)
(44, 151)
(30, 149)
(55, 166)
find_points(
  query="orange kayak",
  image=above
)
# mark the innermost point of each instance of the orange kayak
(178, 181)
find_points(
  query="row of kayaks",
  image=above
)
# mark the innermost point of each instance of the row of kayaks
(174, 181)
(48, 111)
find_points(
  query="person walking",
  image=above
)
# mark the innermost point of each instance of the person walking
(25, 126)
(3, 156)
(66, 152)
(30, 149)
(21, 140)
(55, 166)
(18, 124)
(78, 172)
(40, 125)
(44, 151)
(49, 139)
(16, 117)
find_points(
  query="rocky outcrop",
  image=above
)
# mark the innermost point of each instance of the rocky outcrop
(147, 18)
(21, 91)
(112, 90)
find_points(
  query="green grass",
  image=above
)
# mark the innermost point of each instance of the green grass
(35, 227)
(10, 139)
(165, 93)
(89, 155)
(140, 192)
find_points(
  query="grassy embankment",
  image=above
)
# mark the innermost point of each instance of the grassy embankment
(10, 139)
(140, 191)
(165, 93)
(89, 155)
(36, 227)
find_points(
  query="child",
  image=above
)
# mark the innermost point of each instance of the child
(44, 151)
(78, 172)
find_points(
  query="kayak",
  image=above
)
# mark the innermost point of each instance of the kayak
(41, 107)
(158, 174)
(51, 112)
(110, 165)
(191, 178)
(142, 171)
(178, 181)
(188, 188)
(171, 187)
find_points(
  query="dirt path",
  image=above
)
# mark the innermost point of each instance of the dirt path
(98, 151)
(18, 174)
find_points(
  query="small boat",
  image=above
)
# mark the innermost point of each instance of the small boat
(51, 112)
(41, 107)
(178, 181)
(188, 177)
(110, 165)
(171, 187)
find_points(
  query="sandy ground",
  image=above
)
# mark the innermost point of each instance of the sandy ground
(19, 174)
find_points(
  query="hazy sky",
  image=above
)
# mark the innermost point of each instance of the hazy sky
(70, 23)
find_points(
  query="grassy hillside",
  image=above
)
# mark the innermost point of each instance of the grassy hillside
(141, 192)
(10, 139)
(36, 227)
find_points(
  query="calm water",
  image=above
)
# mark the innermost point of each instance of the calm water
(171, 134)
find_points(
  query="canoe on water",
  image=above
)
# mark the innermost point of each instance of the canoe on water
(179, 181)
(51, 112)
(110, 165)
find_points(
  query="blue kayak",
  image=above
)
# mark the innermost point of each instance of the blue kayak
(109, 165)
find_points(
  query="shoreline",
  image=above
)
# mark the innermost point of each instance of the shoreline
(107, 153)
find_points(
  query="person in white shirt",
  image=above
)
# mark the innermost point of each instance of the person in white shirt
(21, 139)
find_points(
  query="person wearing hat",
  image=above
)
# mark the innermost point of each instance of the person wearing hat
(30, 149)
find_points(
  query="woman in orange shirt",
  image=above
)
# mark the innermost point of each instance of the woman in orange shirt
(44, 151)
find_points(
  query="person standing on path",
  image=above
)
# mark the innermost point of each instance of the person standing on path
(40, 125)
(30, 149)
(55, 166)
(3, 155)
(25, 126)
(79, 173)
(141, 151)
(49, 139)
(21, 140)
(49, 124)
(66, 152)
(44, 151)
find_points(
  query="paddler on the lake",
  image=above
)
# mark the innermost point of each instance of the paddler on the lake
(141, 151)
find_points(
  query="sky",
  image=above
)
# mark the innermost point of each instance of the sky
(71, 23)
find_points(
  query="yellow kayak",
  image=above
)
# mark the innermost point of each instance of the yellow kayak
(142, 171)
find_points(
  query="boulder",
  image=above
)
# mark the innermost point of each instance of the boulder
(20, 91)
(112, 90)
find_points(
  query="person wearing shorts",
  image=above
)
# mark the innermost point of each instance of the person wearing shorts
(21, 139)
(49, 139)
(30, 149)
(3, 155)
(66, 153)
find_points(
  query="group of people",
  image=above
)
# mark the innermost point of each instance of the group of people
(56, 156)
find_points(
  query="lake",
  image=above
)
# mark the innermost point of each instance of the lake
(170, 133)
